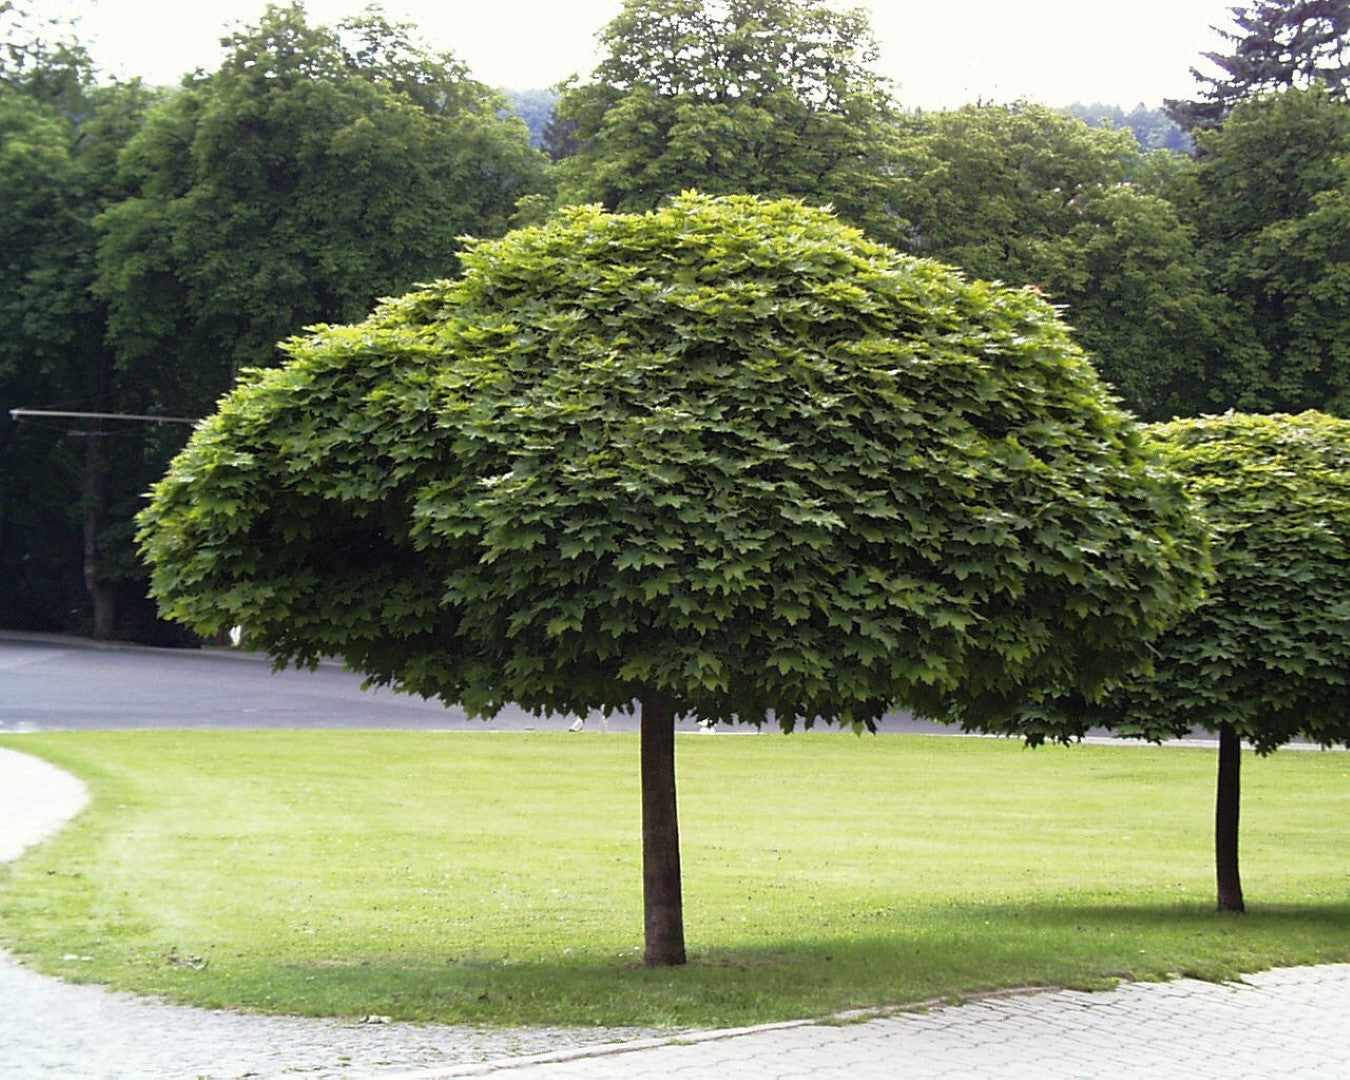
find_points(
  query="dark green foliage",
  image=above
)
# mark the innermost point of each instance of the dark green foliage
(148, 256)
(1277, 44)
(1272, 208)
(1268, 650)
(60, 134)
(730, 452)
(748, 96)
(316, 171)
(1023, 194)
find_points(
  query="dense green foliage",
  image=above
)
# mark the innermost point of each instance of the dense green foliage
(1272, 207)
(729, 451)
(1268, 650)
(40, 314)
(321, 168)
(1277, 45)
(317, 170)
(1023, 194)
(154, 243)
(766, 97)
(66, 501)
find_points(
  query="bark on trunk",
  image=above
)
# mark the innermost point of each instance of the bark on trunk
(101, 595)
(1226, 806)
(662, 896)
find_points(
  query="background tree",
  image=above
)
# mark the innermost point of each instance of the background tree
(1153, 128)
(765, 97)
(535, 109)
(41, 58)
(728, 459)
(1271, 205)
(317, 170)
(1277, 44)
(157, 242)
(1265, 658)
(60, 133)
(1023, 194)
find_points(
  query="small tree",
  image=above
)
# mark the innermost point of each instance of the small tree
(727, 459)
(1266, 656)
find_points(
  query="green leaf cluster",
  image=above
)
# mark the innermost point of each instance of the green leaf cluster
(1272, 206)
(769, 98)
(318, 169)
(1267, 651)
(729, 451)
(1023, 194)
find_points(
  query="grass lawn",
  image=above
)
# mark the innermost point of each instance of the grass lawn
(494, 878)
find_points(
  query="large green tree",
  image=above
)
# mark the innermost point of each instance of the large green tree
(1271, 204)
(1265, 657)
(1024, 194)
(317, 170)
(1276, 45)
(729, 458)
(62, 564)
(154, 243)
(769, 97)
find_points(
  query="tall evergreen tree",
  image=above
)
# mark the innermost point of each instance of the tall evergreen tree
(1277, 44)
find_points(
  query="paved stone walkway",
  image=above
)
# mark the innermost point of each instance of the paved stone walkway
(1293, 1022)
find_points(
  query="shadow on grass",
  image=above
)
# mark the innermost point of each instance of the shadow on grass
(942, 954)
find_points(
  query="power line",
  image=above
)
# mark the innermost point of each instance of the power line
(19, 414)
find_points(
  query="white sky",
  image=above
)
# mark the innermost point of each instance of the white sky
(939, 54)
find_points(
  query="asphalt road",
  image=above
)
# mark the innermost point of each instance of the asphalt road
(50, 683)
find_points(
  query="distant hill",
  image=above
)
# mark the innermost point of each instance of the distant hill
(1152, 127)
(535, 107)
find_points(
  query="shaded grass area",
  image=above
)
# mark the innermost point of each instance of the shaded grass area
(495, 878)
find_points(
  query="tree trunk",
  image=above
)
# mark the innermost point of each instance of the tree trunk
(1226, 808)
(100, 594)
(662, 896)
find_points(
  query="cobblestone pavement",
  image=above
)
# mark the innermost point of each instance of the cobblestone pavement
(1293, 1022)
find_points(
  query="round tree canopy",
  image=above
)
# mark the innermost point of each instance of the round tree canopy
(729, 452)
(1268, 650)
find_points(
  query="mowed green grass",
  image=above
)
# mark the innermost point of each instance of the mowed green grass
(495, 878)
